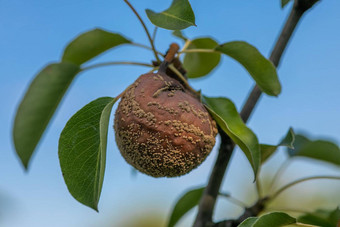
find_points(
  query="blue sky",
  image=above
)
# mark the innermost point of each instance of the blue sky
(34, 33)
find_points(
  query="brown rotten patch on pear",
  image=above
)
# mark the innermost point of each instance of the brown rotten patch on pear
(161, 128)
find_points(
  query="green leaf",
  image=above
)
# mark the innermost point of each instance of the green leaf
(269, 150)
(179, 34)
(284, 3)
(90, 44)
(299, 142)
(321, 150)
(324, 218)
(82, 151)
(38, 106)
(188, 201)
(334, 216)
(226, 116)
(200, 64)
(261, 69)
(177, 17)
(274, 219)
(248, 222)
(315, 219)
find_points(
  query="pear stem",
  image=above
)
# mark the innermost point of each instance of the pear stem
(169, 57)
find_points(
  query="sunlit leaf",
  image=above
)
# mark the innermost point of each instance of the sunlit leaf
(269, 150)
(261, 69)
(177, 17)
(321, 150)
(82, 151)
(188, 201)
(225, 114)
(200, 64)
(274, 219)
(324, 218)
(38, 106)
(90, 44)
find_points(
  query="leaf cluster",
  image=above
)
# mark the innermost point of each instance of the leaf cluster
(83, 141)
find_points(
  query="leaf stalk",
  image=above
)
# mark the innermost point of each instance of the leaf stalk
(199, 51)
(287, 186)
(115, 63)
(145, 28)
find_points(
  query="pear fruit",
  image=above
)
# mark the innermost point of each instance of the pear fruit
(161, 128)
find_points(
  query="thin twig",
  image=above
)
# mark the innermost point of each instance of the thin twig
(146, 47)
(258, 188)
(167, 63)
(185, 46)
(153, 69)
(199, 51)
(248, 212)
(121, 94)
(233, 200)
(145, 28)
(182, 78)
(115, 63)
(154, 34)
(208, 200)
(141, 45)
(279, 191)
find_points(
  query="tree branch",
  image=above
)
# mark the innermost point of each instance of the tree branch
(275, 57)
(208, 200)
(248, 212)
